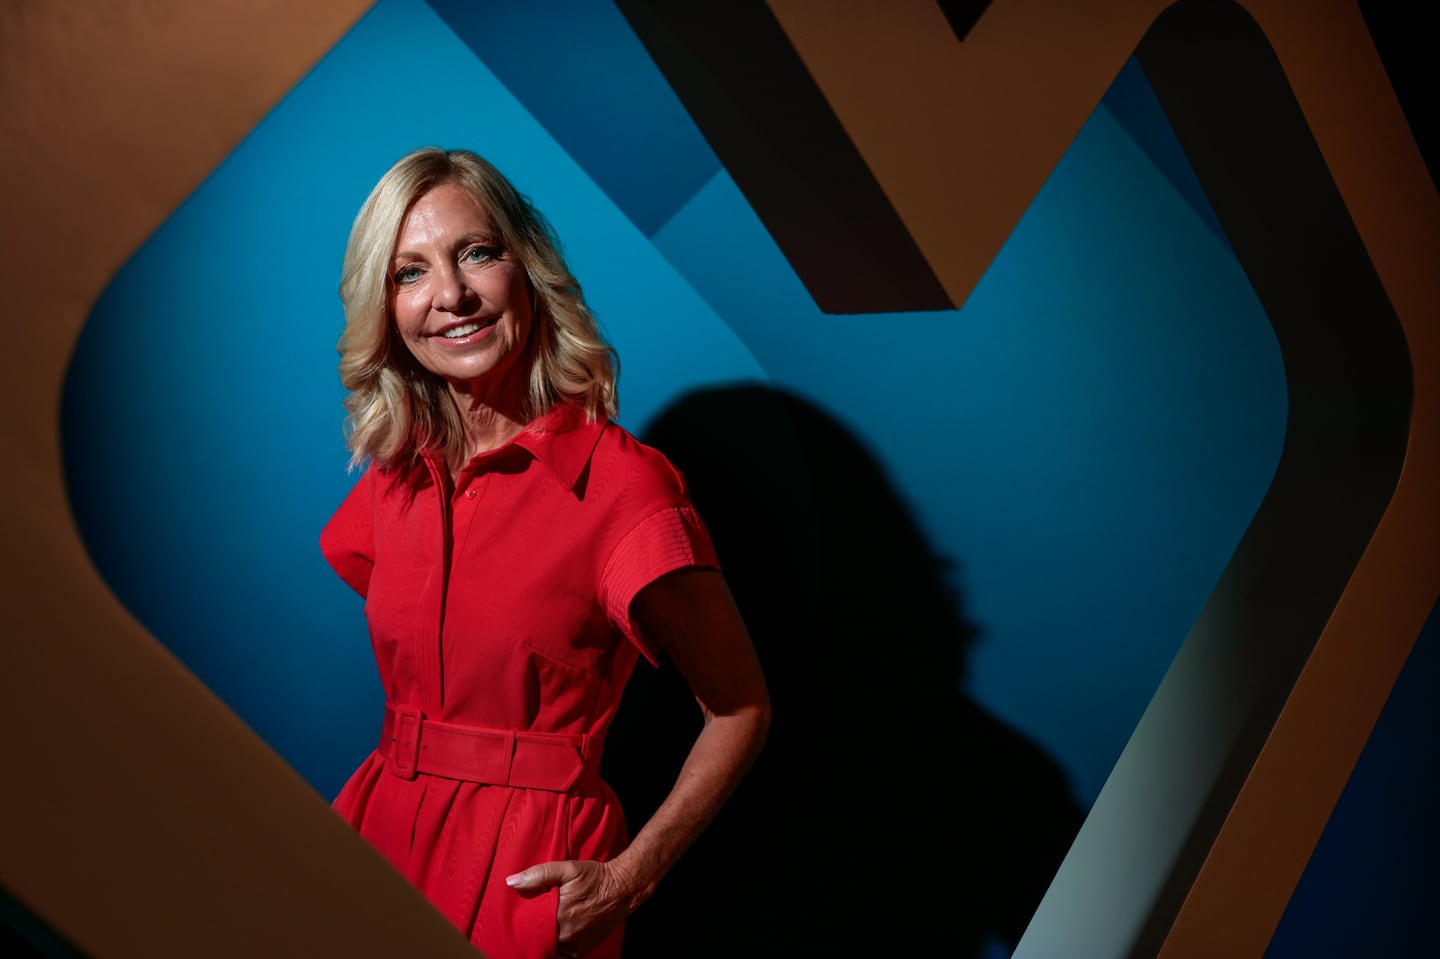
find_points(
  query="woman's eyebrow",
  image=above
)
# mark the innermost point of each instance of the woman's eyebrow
(476, 236)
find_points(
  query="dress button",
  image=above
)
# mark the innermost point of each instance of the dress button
(469, 494)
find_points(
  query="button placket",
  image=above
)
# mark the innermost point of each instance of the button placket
(464, 508)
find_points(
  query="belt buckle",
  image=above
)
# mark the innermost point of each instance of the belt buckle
(405, 741)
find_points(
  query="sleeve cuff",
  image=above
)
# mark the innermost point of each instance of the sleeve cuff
(674, 538)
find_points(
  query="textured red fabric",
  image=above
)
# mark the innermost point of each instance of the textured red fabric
(503, 603)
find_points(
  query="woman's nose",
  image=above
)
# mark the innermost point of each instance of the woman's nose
(451, 292)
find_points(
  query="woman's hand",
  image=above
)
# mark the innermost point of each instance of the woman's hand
(595, 898)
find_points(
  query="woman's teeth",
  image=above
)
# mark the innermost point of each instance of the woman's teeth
(464, 329)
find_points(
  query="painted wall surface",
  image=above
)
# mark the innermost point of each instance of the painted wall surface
(1086, 438)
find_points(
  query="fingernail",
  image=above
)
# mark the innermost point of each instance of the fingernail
(512, 880)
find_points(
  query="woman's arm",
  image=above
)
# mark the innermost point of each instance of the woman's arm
(692, 615)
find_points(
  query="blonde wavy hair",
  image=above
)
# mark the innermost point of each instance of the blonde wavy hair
(396, 407)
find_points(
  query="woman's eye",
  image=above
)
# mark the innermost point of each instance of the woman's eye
(407, 274)
(480, 254)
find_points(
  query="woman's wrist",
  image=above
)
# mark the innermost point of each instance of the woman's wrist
(639, 872)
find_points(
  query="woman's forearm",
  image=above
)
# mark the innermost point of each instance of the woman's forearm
(693, 617)
(723, 751)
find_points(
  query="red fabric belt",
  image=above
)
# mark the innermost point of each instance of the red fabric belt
(412, 744)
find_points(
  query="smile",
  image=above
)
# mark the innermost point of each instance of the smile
(464, 329)
(461, 331)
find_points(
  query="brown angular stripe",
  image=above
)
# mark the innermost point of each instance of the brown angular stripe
(772, 128)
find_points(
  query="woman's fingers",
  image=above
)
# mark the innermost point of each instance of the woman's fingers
(592, 900)
(540, 877)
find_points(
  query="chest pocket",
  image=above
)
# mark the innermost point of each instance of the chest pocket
(569, 632)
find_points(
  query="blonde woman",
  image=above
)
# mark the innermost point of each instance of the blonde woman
(518, 553)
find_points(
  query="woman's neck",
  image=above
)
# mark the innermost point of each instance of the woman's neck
(489, 421)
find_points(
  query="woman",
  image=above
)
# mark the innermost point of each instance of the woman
(518, 552)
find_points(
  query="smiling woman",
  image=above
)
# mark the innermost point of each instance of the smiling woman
(460, 302)
(518, 553)
(422, 262)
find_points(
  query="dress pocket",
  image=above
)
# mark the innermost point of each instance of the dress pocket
(549, 909)
(579, 659)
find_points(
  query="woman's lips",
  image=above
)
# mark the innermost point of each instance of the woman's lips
(468, 331)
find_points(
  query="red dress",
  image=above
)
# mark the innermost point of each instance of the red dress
(499, 615)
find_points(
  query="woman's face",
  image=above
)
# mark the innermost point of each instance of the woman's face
(460, 302)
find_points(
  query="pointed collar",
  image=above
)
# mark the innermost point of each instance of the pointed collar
(563, 440)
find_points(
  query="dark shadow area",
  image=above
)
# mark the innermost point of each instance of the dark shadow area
(889, 813)
(24, 936)
(1407, 48)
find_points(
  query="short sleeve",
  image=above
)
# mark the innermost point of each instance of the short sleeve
(667, 540)
(348, 540)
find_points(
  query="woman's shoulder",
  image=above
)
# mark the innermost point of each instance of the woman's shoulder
(621, 459)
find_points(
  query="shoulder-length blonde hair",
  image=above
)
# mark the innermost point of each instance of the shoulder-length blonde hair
(396, 407)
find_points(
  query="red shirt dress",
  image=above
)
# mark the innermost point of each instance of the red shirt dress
(499, 615)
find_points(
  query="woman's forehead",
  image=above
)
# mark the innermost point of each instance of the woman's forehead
(444, 212)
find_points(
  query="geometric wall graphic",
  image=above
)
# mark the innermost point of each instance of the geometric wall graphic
(784, 147)
(1151, 477)
(1050, 419)
(1348, 377)
(1046, 402)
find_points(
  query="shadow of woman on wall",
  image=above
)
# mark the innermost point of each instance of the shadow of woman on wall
(889, 813)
